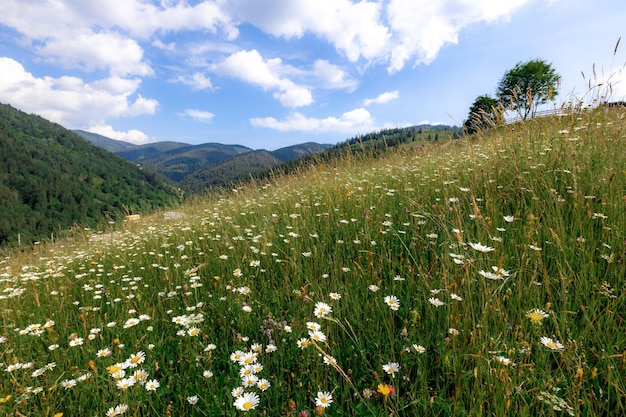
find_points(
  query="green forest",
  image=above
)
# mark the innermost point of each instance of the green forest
(52, 180)
(373, 145)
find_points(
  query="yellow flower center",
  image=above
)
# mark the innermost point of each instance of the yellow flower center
(247, 405)
(114, 368)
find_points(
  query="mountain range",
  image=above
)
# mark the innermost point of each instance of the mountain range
(197, 167)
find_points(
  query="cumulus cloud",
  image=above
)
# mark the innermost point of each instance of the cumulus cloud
(134, 136)
(608, 82)
(251, 67)
(106, 34)
(357, 120)
(90, 51)
(70, 101)
(142, 19)
(618, 85)
(197, 81)
(382, 98)
(390, 32)
(199, 115)
(62, 35)
(293, 96)
(353, 28)
(331, 76)
(138, 107)
(422, 28)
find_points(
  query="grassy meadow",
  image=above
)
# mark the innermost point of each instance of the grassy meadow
(482, 277)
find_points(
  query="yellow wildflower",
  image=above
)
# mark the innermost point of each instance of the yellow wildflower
(384, 389)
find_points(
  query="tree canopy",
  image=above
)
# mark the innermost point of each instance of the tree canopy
(483, 114)
(51, 179)
(528, 85)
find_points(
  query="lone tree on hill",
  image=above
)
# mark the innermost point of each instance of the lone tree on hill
(528, 85)
(484, 113)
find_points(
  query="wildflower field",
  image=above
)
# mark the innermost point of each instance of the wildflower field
(483, 277)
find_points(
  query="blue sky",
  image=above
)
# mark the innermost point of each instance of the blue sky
(272, 73)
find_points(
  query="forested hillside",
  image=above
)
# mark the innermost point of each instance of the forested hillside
(52, 179)
(375, 144)
(241, 168)
(176, 162)
(289, 153)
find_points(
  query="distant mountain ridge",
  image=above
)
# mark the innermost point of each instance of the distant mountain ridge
(104, 142)
(197, 168)
(138, 153)
(178, 162)
(296, 151)
(217, 163)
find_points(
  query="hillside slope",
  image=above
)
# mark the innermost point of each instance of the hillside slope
(234, 170)
(289, 153)
(481, 277)
(178, 162)
(51, 179)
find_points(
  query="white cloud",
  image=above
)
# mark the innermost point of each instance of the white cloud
(353, 28)
(332, 76)
(111, 34)
(138, 18)
(64, 34)
(422, 28)
(293, 96)
(90, 51)
(352, 122)
(143, 19)
(387, 31)
(382, 98)
(139, 106)
(197, 81)
(250, 66)
(134, 136)
(116, 85)
(70, 101)
(99, 34)
(618, 85)
(199, 115)
(610, 85)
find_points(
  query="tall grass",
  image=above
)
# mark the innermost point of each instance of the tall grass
(482, 277)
